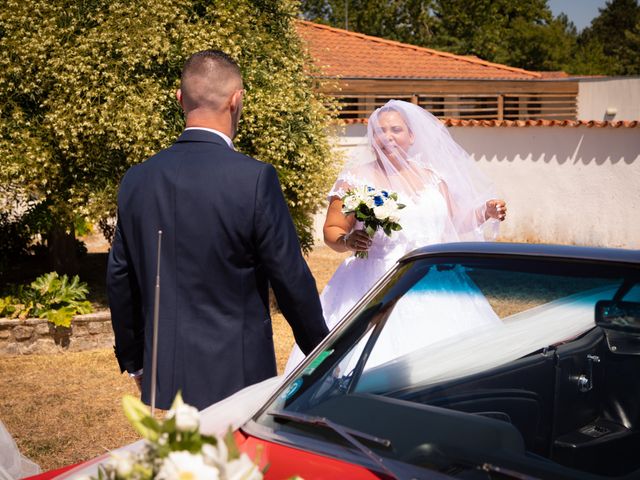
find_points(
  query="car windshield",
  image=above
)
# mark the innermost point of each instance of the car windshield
(482, 337)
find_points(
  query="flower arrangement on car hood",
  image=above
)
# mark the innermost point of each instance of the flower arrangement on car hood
(176, 450)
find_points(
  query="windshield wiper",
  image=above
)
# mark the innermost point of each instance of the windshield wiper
(487, 467)
(345, 432)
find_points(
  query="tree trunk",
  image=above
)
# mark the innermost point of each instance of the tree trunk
(63, 255)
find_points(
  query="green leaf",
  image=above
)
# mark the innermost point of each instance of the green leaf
(138, 413)
(61, 317)
(230, 442)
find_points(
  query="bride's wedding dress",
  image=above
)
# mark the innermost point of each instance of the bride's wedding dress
(424, 221)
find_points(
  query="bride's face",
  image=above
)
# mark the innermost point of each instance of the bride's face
(393, 135)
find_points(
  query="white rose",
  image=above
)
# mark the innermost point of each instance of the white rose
(391, 204)
(187, 417)
(121, 463)
(382, 212)
(362, 194)
(368, 201)
(350, 203)
(185, 465)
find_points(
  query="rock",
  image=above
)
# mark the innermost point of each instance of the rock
(22, 333)
(43, 328)
(80, 331)
(96, 327)
(11, 349)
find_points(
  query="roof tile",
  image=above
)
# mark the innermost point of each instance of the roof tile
(341, 53)
(456, 122)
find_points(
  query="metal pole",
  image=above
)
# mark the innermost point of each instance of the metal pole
(346, 15)
(156, 315)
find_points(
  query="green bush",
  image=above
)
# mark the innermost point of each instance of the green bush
(49, 296)
(91, 92)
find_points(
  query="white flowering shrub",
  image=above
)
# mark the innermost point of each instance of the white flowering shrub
(87, 90)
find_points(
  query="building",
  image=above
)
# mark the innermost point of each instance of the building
(563, 151)
(366, 71)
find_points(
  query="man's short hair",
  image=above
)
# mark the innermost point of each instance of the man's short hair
(208, 78)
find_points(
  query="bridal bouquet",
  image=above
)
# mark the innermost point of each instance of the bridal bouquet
(376, 209)
(175, 449)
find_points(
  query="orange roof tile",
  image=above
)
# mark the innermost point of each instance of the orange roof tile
(345, 54)
(456, 122)
(554, 75)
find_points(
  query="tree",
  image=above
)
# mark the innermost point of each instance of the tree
(518, 33)
(408, 21)
(547, 46)
(610, 44)
(87, 90)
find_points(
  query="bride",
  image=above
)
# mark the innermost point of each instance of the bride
(447, 199)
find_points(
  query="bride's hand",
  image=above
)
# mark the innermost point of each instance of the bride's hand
(497, 209)
(357, 241)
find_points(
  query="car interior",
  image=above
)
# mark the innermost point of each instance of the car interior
(570, 410)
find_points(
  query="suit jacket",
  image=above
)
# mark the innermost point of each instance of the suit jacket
(226, 233)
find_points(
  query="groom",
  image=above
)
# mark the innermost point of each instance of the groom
(226, 234)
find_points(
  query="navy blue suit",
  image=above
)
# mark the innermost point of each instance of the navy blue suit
(227, 234)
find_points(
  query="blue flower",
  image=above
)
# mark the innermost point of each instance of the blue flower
(370, 189)
(385, 194)
(378, 200)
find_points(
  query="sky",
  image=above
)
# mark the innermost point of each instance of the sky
(580, 12)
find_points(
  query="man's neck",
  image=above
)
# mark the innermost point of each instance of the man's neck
(224, 136)
(221, 123)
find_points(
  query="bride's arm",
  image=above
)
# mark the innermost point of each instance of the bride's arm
(337, 230)
(494, 208)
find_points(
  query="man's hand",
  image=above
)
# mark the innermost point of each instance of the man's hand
(137, 377)
(138, 381)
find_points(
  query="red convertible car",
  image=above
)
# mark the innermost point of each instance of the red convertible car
(544, 383)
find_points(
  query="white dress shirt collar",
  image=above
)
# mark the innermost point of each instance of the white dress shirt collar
(224, 137)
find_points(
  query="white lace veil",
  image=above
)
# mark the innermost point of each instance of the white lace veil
(429, 157)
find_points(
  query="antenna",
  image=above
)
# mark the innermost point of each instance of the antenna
(156, 315)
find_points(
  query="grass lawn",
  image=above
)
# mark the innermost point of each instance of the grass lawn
(65, 408)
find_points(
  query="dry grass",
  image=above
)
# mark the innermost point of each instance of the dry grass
(65, 408)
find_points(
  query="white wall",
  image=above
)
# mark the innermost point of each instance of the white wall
(597, 95)
(563, 184)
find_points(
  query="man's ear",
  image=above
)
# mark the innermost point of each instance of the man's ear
(236, 100)
(179, 97)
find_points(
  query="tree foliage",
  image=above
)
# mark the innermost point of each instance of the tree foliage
(408, 21)
(87, 90)
(611, 44)
(520, 33)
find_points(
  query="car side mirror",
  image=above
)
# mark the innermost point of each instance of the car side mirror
(621, 324)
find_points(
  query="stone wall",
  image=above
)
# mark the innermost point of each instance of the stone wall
(38, 336)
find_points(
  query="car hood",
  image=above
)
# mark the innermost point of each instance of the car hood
(232, 412)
